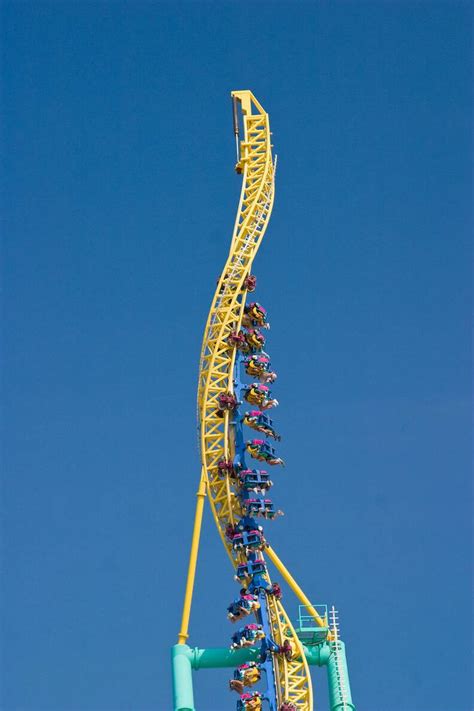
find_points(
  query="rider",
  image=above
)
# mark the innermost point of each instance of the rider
(250, 282)
(231, 531)
(226, 401)
(254, 339)
(250, 702)
(247, 636)
(276, 591)
(237, 339)
(254, 313)
(244, 606)
(225, 466)
(286, 649)
(257, 394)
(259, 365)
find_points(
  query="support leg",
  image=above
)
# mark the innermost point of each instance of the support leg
(340, 697)
(183, 698)
(188, 596)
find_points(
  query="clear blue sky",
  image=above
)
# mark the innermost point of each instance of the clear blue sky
(119, 200)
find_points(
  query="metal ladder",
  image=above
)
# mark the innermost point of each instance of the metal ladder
(340, 673)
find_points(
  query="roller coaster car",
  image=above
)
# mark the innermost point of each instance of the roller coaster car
(249, 540)
(250, 702)
(264, 447)
(254, 507)
(245, 675)
(257, 420)
(238, 541)
(254, 339)
(242, 573)
(254, 541)
(256, 393)
(254, 313)
(262, 451)
(257, 567)
(226, 401)
(287, 706)
(247, 636)
(245, 571)
(247, 523)
(250, 283)
(257, 570)
(254, 480)
(257, 365)
(261, 507)
(242, 607)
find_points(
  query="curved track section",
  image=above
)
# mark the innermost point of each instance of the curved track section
(220, 428)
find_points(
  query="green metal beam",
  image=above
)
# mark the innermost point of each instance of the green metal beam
(218, 657)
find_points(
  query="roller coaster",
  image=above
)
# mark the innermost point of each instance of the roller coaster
(271, 656)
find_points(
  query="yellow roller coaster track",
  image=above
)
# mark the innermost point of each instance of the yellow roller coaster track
(217, 365)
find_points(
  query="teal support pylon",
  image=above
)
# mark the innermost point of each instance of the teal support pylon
(183, 698)
(340, 697)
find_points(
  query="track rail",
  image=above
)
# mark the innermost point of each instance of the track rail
(217, 369)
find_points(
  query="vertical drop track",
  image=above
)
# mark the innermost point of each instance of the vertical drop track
(285, 676)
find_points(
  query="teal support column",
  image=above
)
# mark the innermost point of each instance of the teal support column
(340, 697)
(183, 698)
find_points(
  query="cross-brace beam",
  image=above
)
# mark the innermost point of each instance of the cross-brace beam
(185, 660)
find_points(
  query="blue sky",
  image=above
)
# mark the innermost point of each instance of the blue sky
(119, 200)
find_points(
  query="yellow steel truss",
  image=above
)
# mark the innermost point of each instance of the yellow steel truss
(216, 374)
